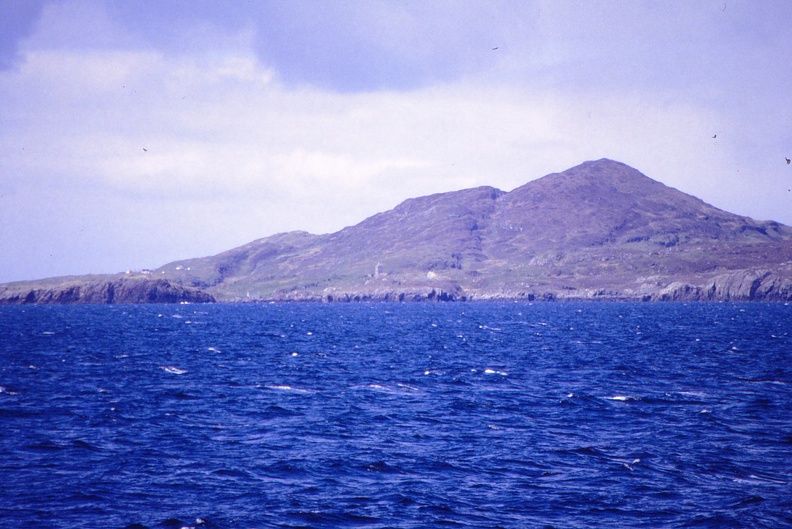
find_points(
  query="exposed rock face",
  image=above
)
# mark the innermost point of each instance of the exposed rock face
(103, 291)
(762, 285)
(598, 231)
(424, 294)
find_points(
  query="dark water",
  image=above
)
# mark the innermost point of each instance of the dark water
(386, 415)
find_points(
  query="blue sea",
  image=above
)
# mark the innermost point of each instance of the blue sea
(470, 415)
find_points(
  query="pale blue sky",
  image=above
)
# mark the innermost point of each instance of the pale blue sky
(133, 133)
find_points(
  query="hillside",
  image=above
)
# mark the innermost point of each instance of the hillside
(601, 230)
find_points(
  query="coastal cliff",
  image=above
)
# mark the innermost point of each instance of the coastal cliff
(598, 231)
(102, 290)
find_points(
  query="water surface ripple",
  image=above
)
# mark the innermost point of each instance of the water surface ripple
(390, 415)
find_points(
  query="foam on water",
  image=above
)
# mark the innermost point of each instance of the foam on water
(173, 369)
(622, 398)
(285, 387)
(421, 415)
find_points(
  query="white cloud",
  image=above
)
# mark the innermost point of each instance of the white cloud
(142, 157)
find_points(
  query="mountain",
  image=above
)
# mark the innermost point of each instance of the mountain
(598, 231)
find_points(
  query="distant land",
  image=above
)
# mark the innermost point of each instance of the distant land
(598, 231)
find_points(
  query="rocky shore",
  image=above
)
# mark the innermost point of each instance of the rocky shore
(598, 231)
(101, 291)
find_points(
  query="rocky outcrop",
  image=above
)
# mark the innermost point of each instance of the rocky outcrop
(117, 290)
(421, 294)
(747, 285)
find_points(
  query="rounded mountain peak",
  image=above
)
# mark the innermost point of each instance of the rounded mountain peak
(603, 200)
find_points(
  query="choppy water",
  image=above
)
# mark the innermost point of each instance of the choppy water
(387, 415)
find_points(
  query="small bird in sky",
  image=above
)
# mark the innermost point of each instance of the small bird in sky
(495, 48)
(715, 136)
(787, 159)
(146, 150)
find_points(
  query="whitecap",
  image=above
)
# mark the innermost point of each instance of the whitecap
(754, 479)
(768, 479)
(285, 387)
(173, 369)
(213, 349)
(400, 389)
(385, 389)
(621, 398)
(489, 371)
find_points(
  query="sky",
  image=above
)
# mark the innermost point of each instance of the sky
(138, 132)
